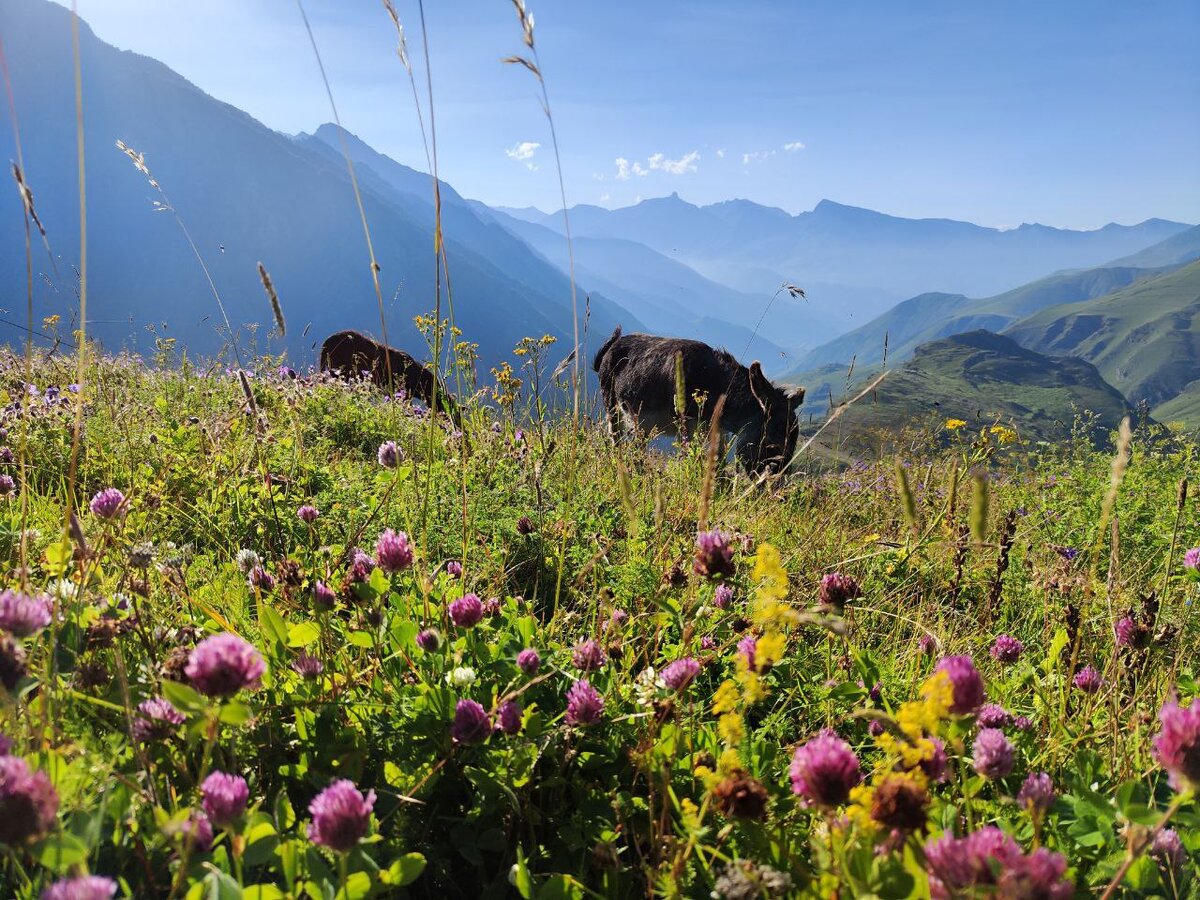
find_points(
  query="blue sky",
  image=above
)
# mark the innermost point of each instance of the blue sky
(1067, 113)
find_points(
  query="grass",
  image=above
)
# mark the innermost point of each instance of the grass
(670, 792)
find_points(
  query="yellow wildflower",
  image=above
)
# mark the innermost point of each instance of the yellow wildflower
(726, 698)
(954, 424)
(731, 728)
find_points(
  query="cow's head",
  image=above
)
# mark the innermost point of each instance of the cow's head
(768, 444)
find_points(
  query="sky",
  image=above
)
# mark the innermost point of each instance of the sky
(1071, 114)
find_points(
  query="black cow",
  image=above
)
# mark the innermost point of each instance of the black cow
(637, 382)
(350, 353)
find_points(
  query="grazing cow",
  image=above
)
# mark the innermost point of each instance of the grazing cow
(349, 354)
(637, 382)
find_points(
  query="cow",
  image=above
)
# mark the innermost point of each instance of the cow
(638, 385)
(350, 354)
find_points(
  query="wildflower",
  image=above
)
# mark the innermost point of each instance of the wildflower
(679, 674)
(393, 551)
(508, 717)
(141, 555)
(955, 424)
(22, 615)
(989, 858)
(525, 525)
(462, 676)
(7, 457)
(723, 596)
(28, 803)
(341, 816)
(307, 666)
(1177, 747)
(8, 485)
(107, 504)
(837, 590)
(1167, 850)
(324, 599)
(429, 640)
(12, 663)
(875, 729)
(1191, 559)
(1023, 723)
(261, 579)
(224, 664)
(1088, 680)
(471, 723)
(1007, 649)
(224, 798)
(466, 611)
(491, 606)
(739, 796)
(993, 753)
(388, 455)
(584, 705)
(824, 770)
(247, 560)
(966, 682)
(935, 761)
(588, 655)
(927, 644)
(747, 648)
(899, 802)
(308, 514)
(454, 568)
(83, 887)
(708, 642)
(714, 556)
(1037, 793)
(528, 661)
(743, 879)
(993, 715)
(360, 566)
(157, 719)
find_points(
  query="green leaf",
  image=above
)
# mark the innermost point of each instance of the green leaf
(379, 582)
(263, 892)
(1057, 643)
(522, 880)
(405, 870)
(271, 624)
(560, 887)
(61, 851)
(183, 697)
(235, 713)
(357, 886)
(303, 634)
(360, 639)
(222, 886)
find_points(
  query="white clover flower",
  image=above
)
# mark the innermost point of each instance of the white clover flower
(462, 676)
(646, 686)
(247, 560)
(63, 589)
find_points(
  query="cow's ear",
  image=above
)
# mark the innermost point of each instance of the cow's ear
(760, 387)
(796, 396)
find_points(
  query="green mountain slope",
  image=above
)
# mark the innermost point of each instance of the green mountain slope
(1144, 339)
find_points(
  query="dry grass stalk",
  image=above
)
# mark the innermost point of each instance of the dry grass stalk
(908, 503)
(710, 462)
(1117, 474)
(980, 502)
(26, 195)
(276, 309)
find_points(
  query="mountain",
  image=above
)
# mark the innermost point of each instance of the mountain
(982, 378)
(1144, 339)
(1177, 250)
(246, 193)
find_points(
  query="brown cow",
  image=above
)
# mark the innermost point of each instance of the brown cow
(352, 354)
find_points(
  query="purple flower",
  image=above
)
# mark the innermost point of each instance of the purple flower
(588, 655)
(341, 816)
(1177, 747)
(1088, 680)
(224, 798)
(993, 715)
(584, 705)
(108, 504)
(261, 579)
(224, 664)
(196, 832)
(990, 859)
(491, 606)
(83, 887)
(508, 717)
(454, 568)
(307, 666)
(708, 642)
(993, 753)
(388, 455)
(680, 673)
(723, 596)
(875, 729)
(966, 681)
(927, 644)
(1007, 649)
(1167, 850)
(308, 514)
(1191, 559)
(837, 590)
(824, 770)
(471, 723)
(528, 661)
(934, 765)
(429, 640)
(1037, 793)
(22, 615)
(1023, 723)
(324, 599)
(157, 720)
(747, 647)
(28, 803)
(393, 551)
(8, 485)
(360, 566)
(714, 556)
(466, 611)
(6, 456)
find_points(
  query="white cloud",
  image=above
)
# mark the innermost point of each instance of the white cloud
(681, 166)
(793, 146)
(523, 152)
(721, 153)
(625, 168)
(756, 156)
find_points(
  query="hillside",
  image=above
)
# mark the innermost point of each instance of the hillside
(1144, 339)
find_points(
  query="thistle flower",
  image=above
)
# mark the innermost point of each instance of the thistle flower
(1088, 680)
(1191, 559)
(900, 803)
(83, 887)
(324, 599)
(429, 640)
(508, 717)
(308, 666)
(454, 568)
(107, 504)
(224, 664)
(308, 514)
(1177, 747)
(528, 661)
(679, 674)
(966, 681)
(466, 611)
(341, 816)
(388, 455)
(588, 655)
(824, 770)
(993, 715)
(927, 644)
(525, 525)
(1007, 649)
(714, 556)
(1037, 793)
(723, 596)
(224, 798)
(993, 753)
(837, 590)
(471, 723)
(261, 580)
(28, 803)
(393, 551)
(739, 796)
(22, 615)
(157, 719)
(708, 642)
(584, 705)
(8, 485)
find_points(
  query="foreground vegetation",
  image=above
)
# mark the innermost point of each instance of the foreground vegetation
(297, 640)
